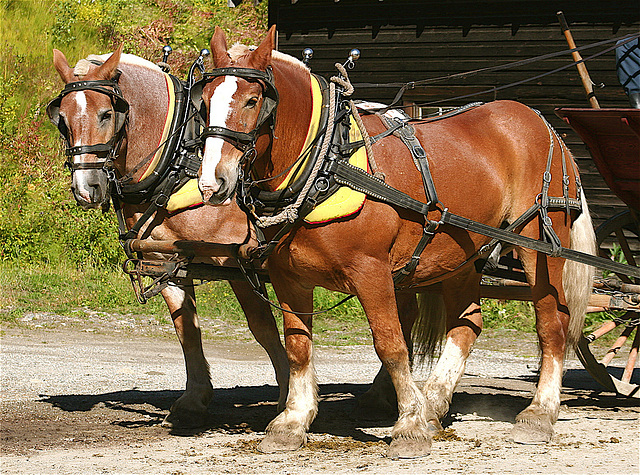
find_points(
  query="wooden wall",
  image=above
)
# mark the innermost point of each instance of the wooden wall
(403, 41)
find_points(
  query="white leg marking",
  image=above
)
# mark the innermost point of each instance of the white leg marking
(219, 110)
(302, 402)
(548, 391)
(445, 377)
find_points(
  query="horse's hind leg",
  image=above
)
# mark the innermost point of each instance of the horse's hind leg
(190, 410)
(263, 327)
(380, 399)
(534, 425)
(463, 325)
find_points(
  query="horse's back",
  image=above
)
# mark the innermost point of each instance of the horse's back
(490, 157)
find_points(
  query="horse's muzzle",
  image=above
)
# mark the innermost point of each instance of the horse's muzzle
(218, 192)
(90, 189)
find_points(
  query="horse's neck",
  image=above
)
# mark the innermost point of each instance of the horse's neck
(146, 92)
(292, 122)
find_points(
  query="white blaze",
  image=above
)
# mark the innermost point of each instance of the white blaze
(219, 111)
(81, 100)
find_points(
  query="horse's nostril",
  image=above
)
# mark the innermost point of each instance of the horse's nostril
(96, 193)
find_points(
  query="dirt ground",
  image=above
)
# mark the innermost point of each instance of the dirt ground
(81, 400)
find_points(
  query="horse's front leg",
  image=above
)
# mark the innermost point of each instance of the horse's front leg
(380, 400)
(190, 410)
(263, 327)
(410, 435)
(288, 431)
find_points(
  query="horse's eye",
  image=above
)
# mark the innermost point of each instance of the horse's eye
(251, 103)
(105, 116)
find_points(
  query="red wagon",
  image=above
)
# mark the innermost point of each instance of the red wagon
(613, 139)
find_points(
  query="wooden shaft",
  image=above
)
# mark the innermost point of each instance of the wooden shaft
(582, 69)
(184, 248)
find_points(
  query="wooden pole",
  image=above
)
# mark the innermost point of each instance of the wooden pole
(184, 248)
(582, 69)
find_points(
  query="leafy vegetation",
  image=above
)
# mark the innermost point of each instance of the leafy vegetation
(39, 221)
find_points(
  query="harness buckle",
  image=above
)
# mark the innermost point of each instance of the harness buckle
(161, 200)
(321, 184)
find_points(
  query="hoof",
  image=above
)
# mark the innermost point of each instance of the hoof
(530, 434)
(403, 448)
(186, 420)
(281, 442)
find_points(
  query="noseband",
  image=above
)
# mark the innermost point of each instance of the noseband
(107, 150)
(243, 141)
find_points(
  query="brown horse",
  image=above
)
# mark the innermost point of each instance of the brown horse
(90, 118)
(487, 165)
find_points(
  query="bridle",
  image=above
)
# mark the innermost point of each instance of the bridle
(105, 151)
(243, 141)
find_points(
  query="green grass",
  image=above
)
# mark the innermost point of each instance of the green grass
(71, 292)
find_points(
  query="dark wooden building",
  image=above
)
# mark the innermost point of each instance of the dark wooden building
(402, 41)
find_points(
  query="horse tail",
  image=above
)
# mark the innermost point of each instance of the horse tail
(430, 326)
(577, 278)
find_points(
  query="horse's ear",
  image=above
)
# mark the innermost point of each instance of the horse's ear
(62, 66)
(261, 57)
(221, 58)
(108, 69)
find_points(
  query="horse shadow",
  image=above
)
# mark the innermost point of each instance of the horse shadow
(245, 409)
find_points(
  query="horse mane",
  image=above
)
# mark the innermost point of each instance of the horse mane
(238, 50)
(83, 66)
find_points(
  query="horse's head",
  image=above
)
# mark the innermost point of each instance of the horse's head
(90, 114)
(240, 100)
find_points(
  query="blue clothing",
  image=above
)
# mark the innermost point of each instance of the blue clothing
(628, 66)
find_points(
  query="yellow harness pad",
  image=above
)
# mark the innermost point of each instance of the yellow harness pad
(188, 195)
(345, 201)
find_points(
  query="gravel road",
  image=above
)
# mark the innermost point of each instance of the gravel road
(81, 400)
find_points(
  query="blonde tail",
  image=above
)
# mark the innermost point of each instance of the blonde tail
(577, 278)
